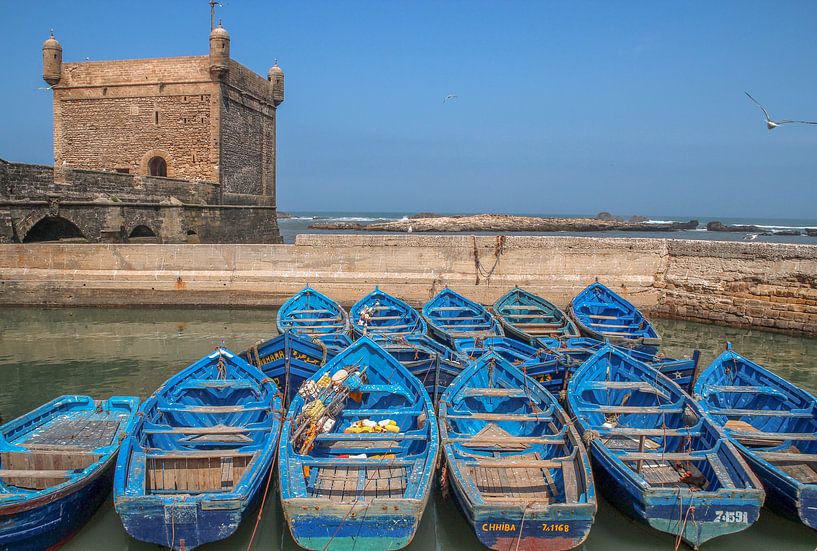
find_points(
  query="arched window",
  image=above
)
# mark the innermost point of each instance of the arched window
(53, 228)
(142, 231)
(157, 166)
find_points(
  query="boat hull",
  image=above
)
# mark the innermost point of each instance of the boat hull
(180, 525)
(506, 527)
(707, 515)
(314, 524)
(51, 520)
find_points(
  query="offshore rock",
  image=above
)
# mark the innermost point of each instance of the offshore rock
(716, 225)
(504, 223)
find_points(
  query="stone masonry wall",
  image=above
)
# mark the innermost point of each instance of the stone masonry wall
(769, 286)
(108, 206)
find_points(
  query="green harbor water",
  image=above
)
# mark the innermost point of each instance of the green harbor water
(45, 353)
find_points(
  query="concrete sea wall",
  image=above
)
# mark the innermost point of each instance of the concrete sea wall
(770, 286)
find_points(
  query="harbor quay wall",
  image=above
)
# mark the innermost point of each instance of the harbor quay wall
(762, 285)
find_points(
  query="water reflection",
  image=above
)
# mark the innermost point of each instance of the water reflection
(45, 353)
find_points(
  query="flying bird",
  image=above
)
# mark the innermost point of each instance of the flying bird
(45, 88)
(450, 97)
(751, 236)
(770, 124)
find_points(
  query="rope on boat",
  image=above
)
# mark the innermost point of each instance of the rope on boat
(589, 435)
(445, 490)
(522, 524)
(266, 489)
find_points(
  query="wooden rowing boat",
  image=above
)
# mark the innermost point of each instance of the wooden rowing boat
(575, 351)
(380, 315)
(774, 425)
(527, 317)
(515, 463)
(199, 457)
(606, 316)
(311, 313)
(289, 359)
(657, 457)
(358, 451)
(56, 467)
(451, 316)
(430, 361)
(541, 364)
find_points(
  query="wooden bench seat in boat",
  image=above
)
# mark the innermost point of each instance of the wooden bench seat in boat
(641, 386)
(521, 417)
(665, 456)
(771, 437)
(451, 308)
(195, 472)
(799, 413)
(315, 311)
(387, 327)
(495, 392)
(789, 457)
(476, 440)
(218, 429)
(369, 463)
(312, 320)
(385, 389)
(42, 469)
(635, 431)
(740, 389)
(534, 325)
(333, 326)
(368, 436)
(635, 409)
(237, 384)
(484, 324)
(183, 408)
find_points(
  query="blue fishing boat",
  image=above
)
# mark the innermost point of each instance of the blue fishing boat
(516, 465)
(433, 363)
(528, 317)
(380, 315)
(289, 359)
(657, 457)
(199, 457)
(774, 425)
(575, 351)
(541, 364)
(313, 314)
(451, 316)
(56, 467)
(358, 451)
(603, 315)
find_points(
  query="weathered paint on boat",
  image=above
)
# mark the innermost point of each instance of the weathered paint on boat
(354, 518)
(494, 417)
(450, 316)
(606, 316)
(634, 415)
(34, 519)
(380, 315)
(219, 409)
(527, 317)
(777, 430)
(289, 359)
(575, 351)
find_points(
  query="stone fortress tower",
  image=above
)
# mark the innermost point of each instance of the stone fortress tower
(196, 135)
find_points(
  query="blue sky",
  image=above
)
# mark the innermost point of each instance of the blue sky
(564, 107)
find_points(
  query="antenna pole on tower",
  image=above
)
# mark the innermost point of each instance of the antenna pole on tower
(213, 14)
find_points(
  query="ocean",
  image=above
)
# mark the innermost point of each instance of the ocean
(300, 221)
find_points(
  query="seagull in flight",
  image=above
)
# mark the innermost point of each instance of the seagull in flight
(450, 97)
(770, 124)
(750, 236)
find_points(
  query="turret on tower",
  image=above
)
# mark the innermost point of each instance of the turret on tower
(219, 52)
(276, 78)
(52, 60)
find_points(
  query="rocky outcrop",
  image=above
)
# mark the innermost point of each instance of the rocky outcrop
(811, 232)
(504, 223)
(716, 225)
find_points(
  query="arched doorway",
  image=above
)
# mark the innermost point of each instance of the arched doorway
(157, 166)
(142, 231)
(53, 228)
